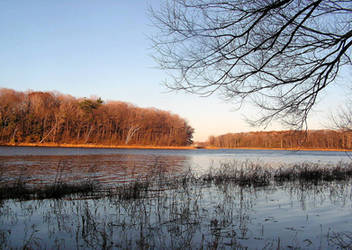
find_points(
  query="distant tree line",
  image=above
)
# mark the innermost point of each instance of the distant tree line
(327, 139)
(51, 117)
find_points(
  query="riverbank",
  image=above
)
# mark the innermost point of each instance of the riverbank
(288, 149)
(67, 145)
(191, 147)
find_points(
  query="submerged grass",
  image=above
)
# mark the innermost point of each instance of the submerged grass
(245, 174)
(314, 173)
(22, 191)
(134, 190)
(242, 174)
(215, 210)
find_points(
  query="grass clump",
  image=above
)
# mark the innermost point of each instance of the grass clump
(132, 191)
(249, 174)
(242, 174)
(245, 174)
(313, 173)
(23, 191)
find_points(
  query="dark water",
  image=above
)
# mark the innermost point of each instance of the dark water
(213, 217)
(291, 215)
(41, 165)
(267, 155)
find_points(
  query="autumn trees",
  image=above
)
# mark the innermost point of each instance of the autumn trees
(52, 117)
(320, 139)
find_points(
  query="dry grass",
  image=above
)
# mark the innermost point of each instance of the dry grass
(242, 174)
(173, 212)
(22, 191)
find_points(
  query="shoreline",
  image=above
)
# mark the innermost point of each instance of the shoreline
(67, 145)
(291, 149)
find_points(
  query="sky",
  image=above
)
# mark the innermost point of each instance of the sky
(101, 48)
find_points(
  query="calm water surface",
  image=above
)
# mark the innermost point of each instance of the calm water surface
(289, 216)
(267, 155)
(42, 164)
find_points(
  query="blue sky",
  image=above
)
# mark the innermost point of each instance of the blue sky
(94, 47)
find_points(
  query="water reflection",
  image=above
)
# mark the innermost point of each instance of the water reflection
(109, 166)
(217, 216)
(106, 169)
(201, 156)
(291, 214)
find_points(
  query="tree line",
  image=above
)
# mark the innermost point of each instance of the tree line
(327, 139)
(52, 117)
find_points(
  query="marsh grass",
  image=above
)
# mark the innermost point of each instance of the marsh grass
(242, 174)
(175, 219)
(341, 239)
(313, 173)
(215, 210)
(134, 190)
(249, 174)
(23, 191)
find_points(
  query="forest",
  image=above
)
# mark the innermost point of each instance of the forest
(52, 117)
(319, 139)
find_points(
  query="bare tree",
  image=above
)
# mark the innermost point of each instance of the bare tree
(342, 119)
(280, 54)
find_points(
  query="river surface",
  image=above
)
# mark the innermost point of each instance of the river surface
(285, 216)
(43, 164)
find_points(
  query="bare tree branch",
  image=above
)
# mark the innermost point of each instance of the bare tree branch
(280, 54)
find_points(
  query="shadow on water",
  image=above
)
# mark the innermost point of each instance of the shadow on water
(240, 205)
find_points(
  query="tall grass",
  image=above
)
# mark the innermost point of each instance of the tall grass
(214, 210)
(242, 174)
(23, 191)
(192, 216)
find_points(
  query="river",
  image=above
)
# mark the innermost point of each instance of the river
(41, 164)
(290, 215)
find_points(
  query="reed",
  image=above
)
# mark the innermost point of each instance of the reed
(210, 211)
(23, 191)
(242, 174)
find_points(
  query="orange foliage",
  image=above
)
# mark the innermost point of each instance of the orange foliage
(312, 139)
(47, 117)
